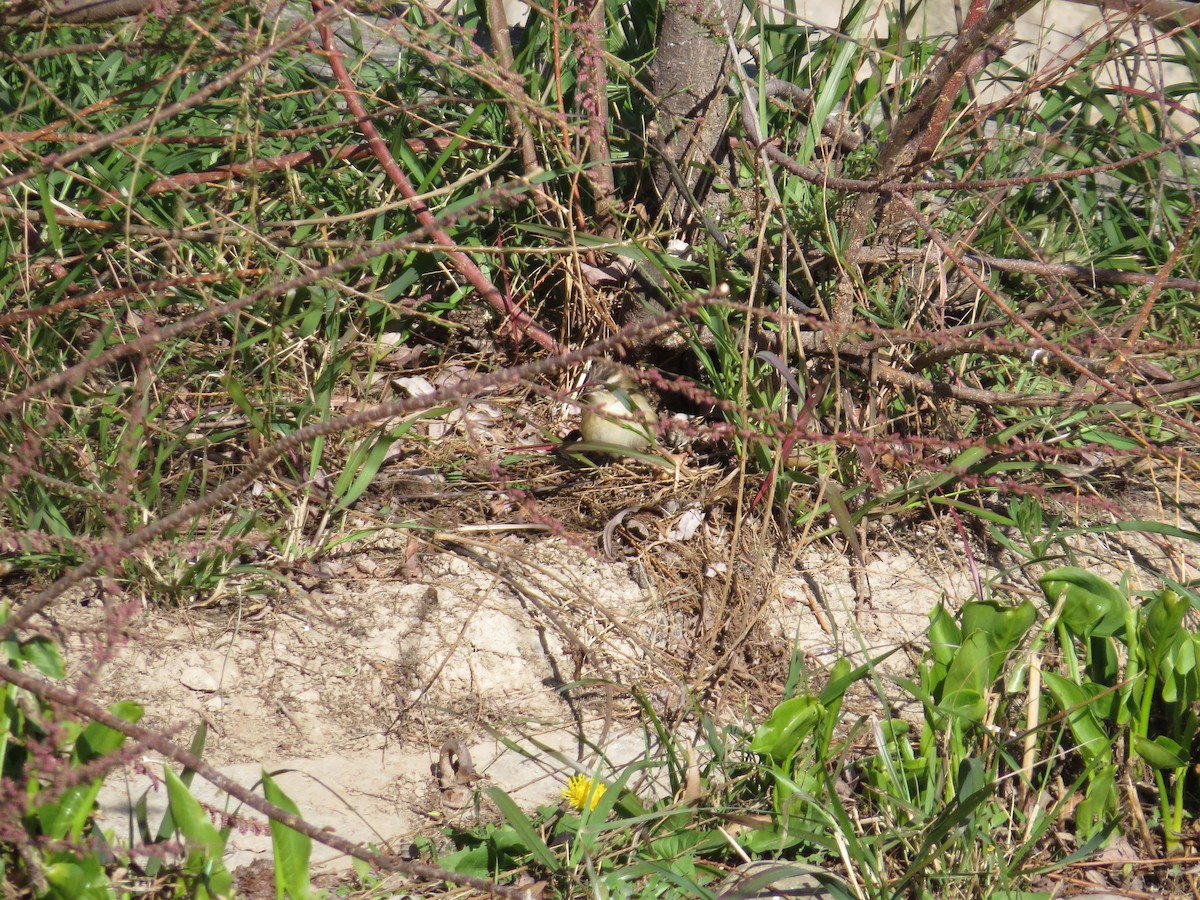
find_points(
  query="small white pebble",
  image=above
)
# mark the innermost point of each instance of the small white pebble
(198, 679)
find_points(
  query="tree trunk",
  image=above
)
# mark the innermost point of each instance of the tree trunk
(690, 75)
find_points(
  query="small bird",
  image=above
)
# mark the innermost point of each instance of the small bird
(618, 414)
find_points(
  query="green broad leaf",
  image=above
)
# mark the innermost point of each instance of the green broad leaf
(98, 740)
(1098, 809)
(789, 723)
(1162, 621)
(510, 848)
(626, 880)
(1004, 626)
(474, 861)
(166, 827)
(1076, 700)
(895, 731)
(841, 676)
(192, 821)
(1161, 753)
(1185, 657)
(43, 654)
(972, 777)
(68, 814)
(680, 840)
(1091, 606)
(1175, 673)
(292, 850)
(944, 636)
(524, 829)
(77, 878)
(206, 844)
(964, 692)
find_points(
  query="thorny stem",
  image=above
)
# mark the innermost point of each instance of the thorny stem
(972, 39)
(522, 323)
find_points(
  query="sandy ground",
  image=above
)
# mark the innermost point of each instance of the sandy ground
(353, 687)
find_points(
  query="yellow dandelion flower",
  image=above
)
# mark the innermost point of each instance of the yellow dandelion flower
(582, 791)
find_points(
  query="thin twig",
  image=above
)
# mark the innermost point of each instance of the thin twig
(522, 323)
(1091, 274)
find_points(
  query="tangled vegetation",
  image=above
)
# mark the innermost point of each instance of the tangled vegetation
(917, 276)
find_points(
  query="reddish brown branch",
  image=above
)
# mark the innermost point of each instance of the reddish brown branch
(978, 396)
(1088, 274)
(974, 37)
(934, 128)
(522, 323)
(278, 163)
(130, 290)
